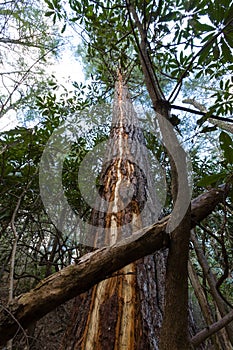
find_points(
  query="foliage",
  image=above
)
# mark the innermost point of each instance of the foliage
(185, 38)
(41, 248)
(28, 46)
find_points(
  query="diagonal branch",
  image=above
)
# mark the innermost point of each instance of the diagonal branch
(94, 267)
(208, 331)
(217, 297)
(142, 45)
(212, 117)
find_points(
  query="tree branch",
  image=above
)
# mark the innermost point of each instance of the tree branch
(221, 122)
(94, 267)
(208, 331)
(218, 298)
(212, 116)
(22, 42)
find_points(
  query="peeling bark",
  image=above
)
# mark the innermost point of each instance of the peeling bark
(119, 315)
(94, 267)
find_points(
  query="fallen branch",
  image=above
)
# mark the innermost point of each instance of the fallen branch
(93, 268)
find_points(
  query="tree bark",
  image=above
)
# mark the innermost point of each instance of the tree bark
(174, 335)
(93, 268)
(118, 315)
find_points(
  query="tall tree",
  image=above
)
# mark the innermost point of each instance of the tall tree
(144, 24)
(114, 315)
(161, 44)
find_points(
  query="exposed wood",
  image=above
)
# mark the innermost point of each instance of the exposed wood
(114, 316)
(94, 267)
(174, 334)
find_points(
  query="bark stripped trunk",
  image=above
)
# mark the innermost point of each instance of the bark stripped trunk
(124, 311)
(94, 267)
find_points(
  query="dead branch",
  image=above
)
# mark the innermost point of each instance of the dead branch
(93, 268)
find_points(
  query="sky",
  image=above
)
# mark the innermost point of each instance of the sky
(65, 68)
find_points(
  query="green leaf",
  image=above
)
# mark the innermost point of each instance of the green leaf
(229, 39)
(216, 11)
(216, 52)
(204, 55)
(199, 74)
(226, 144)
(228, 155)
(168, 17)
(63, 29)
(229, 12)
(49, 13)
(211, 179)
(50, 5)
(226, 51)
(189, 5)
(203, 27)
(225, 140)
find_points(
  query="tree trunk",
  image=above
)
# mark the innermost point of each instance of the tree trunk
(94, 267)
(221, 305)
(124, 311)
(204, 305)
